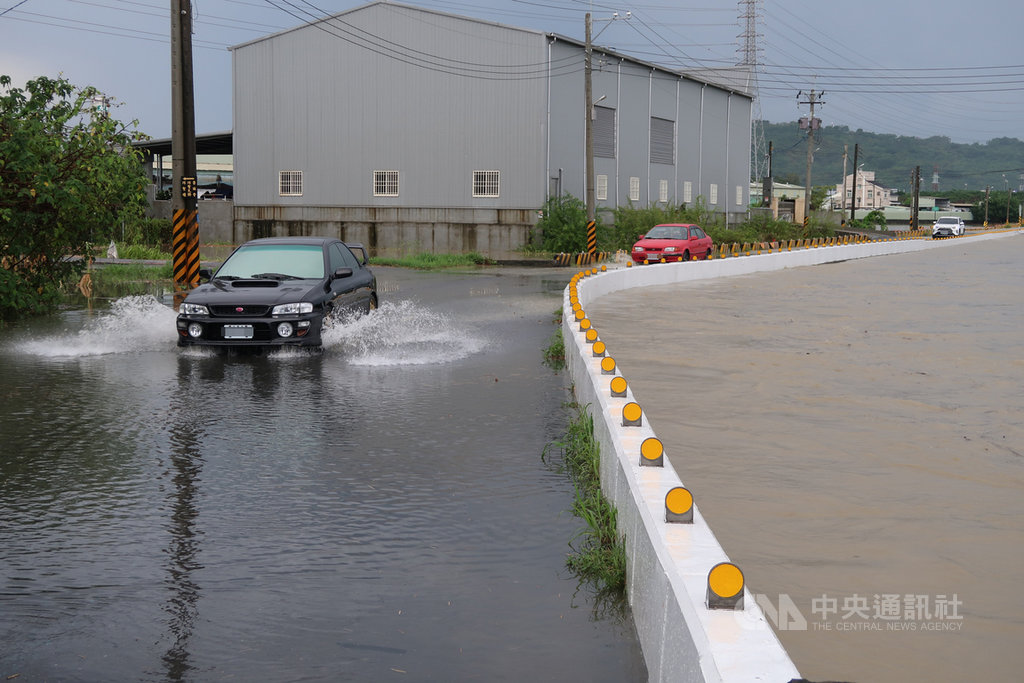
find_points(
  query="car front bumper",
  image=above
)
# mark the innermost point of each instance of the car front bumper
(242, 332)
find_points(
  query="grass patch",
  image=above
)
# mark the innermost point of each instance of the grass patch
(426, 261)
(115, 274)
(142, 252)
(554, 354)
(597, 555)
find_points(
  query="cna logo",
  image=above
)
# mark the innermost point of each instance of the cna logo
(877, 612)
(784, 615)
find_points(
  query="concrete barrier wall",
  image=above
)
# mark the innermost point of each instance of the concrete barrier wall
(668, 563)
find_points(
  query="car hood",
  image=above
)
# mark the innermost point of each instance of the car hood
(658, 243)
(266, 292)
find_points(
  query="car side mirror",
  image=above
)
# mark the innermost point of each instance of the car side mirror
(639, 237)
(341, 273)
(205, 274)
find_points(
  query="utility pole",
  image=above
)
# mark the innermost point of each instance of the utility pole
(987, 189)
(811, 124)
(853, 202)
(916, 186)
(842, 205)
(767, 189)
(185, 227)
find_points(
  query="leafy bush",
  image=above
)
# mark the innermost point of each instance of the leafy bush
(563, 225)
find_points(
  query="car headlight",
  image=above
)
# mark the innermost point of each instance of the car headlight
(670, 248)
(292, 309)
(637, 247)
(193, 309)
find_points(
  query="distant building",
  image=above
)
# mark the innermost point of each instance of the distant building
(402, 127)
(869, 194)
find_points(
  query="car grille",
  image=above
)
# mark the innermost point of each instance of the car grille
(247, 311)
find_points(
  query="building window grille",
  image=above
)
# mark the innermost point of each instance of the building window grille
(634, 189)
(486, 183)
(739, 195)
(663, 142)
(385, 183)
(713, 194)
(602, 188)
(604, 132)
(688, 191)
(290, 183)
(663, 191)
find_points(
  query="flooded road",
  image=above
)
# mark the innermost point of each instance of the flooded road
(853, 434)
(377, 511)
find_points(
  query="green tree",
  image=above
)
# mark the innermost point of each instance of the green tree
(68, 176)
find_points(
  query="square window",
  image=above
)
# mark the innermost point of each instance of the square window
(385, 183)
(486, 183)
(290, 183)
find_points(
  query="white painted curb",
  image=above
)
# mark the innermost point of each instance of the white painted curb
(668, 564)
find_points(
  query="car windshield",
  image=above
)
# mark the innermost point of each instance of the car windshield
(948, 220)
(277, 261)
(666, 232)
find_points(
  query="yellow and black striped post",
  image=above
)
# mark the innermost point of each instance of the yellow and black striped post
(591, 237)
(185, 250)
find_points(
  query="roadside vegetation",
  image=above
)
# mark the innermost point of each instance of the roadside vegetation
(597, 554)
(554, 353)
(69, 175)
(428, 261)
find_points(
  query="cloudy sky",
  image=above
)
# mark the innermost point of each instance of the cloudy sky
(947, 67)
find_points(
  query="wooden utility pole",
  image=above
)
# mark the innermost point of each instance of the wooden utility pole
(185, 226)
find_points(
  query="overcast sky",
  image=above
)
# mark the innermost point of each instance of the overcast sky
(951, 68)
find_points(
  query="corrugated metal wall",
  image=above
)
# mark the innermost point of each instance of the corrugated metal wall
(387, 87)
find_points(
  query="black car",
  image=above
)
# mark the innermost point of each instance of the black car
(277, 291)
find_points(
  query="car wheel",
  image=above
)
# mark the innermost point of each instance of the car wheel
(372, 305)
(686, 255)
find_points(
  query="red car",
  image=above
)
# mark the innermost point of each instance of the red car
(673, 242)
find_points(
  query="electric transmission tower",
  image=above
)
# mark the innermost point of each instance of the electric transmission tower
(750, 53)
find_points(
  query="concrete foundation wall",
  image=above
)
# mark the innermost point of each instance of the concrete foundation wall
(393, 230)
(215, 218)
(668, 564)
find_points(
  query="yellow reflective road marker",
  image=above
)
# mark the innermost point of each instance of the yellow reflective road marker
(679, 506)
(599, 348)
(591, 335)
(725, 587)
(618, 386)
(652, 453)
(607, 365)
(632, 416)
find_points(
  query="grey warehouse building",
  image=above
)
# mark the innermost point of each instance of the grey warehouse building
(410, 129)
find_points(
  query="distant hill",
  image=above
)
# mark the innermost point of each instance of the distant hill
(893, 158)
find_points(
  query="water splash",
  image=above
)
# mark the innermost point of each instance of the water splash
(133, 323)
(402, 333)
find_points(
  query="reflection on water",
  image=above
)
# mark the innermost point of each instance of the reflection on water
(375, 508)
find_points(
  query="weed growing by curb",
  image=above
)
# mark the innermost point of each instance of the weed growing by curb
(597, 553)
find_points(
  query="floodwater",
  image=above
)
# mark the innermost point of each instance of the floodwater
(377, 511)
(853, 434)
